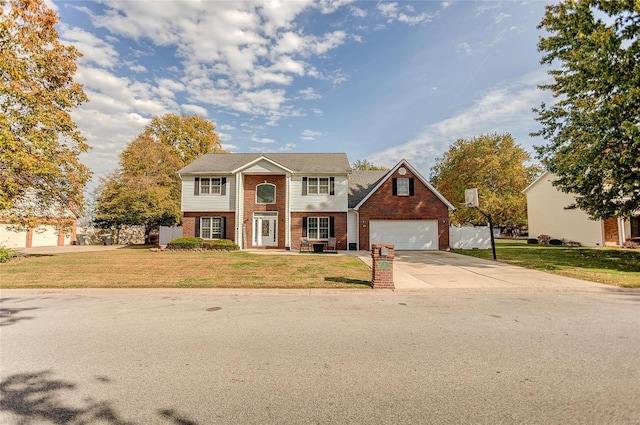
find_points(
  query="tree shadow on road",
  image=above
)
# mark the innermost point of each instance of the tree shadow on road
(38, 397)
(9, 316)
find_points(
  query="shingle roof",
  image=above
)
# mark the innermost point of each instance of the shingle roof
(361, 183)
(321, 163)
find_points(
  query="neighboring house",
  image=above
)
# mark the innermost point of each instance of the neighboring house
(547, 214)
(48, 228)
(275, 200)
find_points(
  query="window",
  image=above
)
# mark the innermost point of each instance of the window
(318, 185)
(266, 193)
(318, 227)
(403, 187)
(211, 227)
(210, 185)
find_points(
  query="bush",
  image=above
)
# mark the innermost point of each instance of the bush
(555, 242)
(225, 244)
(544, 239)
(5, 254)
(532, 241)
(185, 243)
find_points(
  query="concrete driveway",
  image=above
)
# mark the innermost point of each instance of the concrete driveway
(425, 270)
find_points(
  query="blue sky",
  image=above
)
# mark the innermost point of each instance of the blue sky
(380, 81)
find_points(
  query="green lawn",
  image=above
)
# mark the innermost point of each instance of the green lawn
(614, 266)
(140, 268)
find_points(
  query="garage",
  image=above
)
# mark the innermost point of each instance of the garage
(408, 235)
(45, 236)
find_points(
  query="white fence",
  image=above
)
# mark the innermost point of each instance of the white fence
(168, 234)
(469, 237)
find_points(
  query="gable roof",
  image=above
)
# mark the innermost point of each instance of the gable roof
(535, 181)
(389, 173)
(310, 163)
(362, 182)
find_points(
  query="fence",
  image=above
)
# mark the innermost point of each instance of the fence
(469, 237)
(169, 233)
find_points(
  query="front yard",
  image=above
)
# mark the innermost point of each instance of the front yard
(140, 268)
(614, 266)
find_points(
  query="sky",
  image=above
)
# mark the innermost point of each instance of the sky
(381, 81)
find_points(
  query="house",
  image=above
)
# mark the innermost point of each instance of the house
(547, 214)
(274, 200)
(53, 227)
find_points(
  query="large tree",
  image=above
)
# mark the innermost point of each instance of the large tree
(39, 142)
(592, 130)
(497, 167)
(191, 136)
(144, 190)
(364, 165)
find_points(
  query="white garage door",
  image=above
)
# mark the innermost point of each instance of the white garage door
(405, 234)
(12, 237)
(45, 236)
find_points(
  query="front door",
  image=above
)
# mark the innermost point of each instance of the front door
(265, 232)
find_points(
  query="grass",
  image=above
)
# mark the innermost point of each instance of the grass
(137, 268)
(613, 266)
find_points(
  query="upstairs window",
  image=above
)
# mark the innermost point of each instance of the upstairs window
(318, 186)
(210, 185)
(403, 187)
(266, 193)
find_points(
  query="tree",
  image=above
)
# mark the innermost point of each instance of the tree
(592, 130)
(190, 135)
(145, 190)
(496, 166)
(39, 142)
(364, 165)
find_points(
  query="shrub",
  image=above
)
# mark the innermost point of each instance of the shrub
(225, 244)
(555, 242)
(5, 254)
(544, 239)
(185, 243)
(532, 241)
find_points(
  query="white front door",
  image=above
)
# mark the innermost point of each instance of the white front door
(265, 232)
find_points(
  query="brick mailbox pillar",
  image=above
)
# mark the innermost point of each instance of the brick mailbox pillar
(382, 266)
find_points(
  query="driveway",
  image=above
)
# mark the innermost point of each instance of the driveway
(429, 270)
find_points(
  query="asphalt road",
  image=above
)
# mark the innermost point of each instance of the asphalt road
(189, 357)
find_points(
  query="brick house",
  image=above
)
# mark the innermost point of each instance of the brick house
(274, 200)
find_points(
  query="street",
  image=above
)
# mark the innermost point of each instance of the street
(179, 356)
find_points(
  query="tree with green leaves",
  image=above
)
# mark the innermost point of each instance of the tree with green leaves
(39, 142)
(364, 165)
(144, 190)
(592, 130)
(191, 136)
(497, 167)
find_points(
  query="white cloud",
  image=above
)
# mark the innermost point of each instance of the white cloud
(392, 12)
(227, 127)
(232, 54)
(358, 12)
(310, 94)
(310, 134)
(501, 109)
(264, 140)
(194, 109)
(93, 49)
(501, 17)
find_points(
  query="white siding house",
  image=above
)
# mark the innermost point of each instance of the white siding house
(547, 214)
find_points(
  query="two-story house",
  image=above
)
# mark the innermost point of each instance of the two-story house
(274, 200)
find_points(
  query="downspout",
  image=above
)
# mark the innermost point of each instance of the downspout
(287, 213)
(239, 210)
(621, 231)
